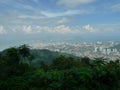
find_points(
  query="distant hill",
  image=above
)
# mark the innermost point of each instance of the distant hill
(43, 55)
(46, 55)
(40, 55)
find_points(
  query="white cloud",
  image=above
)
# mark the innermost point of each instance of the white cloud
(63, 20)
(2, 30)
(102, 28)
(89, 28)
(66, 13)
(74, 3)
(27, 29)
(37, 15)
(109, 27)
(116, 7)
(64, 29)
(60, 29)
(29, 17)
(47, 14)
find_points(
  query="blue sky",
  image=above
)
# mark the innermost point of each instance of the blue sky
(33, 21)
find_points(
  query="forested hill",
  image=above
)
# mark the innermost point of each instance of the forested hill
(18, 71)
(35, 56)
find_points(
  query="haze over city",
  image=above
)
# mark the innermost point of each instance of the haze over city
(34, 21)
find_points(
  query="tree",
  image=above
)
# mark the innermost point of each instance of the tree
(24, 50)
(99, 61)
(43, 65)
(85, 61)
(12, 55)
(64, 62)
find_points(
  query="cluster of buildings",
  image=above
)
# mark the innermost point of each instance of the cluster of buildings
(96, 49)
(106, 51)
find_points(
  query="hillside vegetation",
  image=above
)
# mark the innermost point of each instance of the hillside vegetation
(25, 69)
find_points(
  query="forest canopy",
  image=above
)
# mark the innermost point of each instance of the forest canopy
(62, 72)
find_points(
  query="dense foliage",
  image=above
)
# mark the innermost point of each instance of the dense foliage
(64, 73)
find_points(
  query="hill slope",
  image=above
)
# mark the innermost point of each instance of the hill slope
(39, 55)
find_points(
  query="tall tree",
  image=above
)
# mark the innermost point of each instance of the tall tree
(24, 50)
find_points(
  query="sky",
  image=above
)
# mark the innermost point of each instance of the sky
(33, 21)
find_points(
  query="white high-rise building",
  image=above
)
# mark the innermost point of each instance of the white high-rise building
(96, 49)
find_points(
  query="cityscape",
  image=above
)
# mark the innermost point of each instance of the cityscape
(97, 49)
